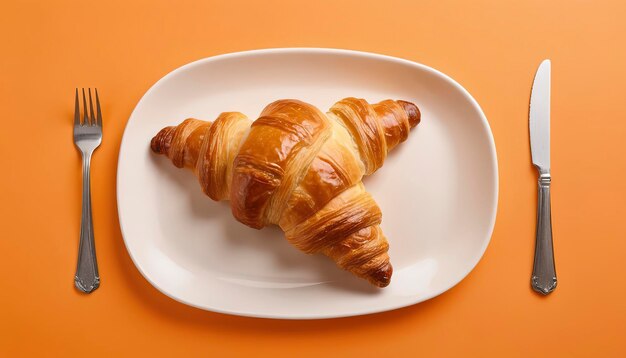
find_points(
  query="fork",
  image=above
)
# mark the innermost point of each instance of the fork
(87, 137)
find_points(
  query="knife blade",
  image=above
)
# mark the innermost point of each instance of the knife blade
(543, 279)
(540, 118)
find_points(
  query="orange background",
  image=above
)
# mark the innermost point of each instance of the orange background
(491, 47)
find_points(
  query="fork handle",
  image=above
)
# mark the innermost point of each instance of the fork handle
(87, 278)
(544, 274)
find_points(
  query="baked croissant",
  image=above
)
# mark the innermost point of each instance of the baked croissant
(300, 169)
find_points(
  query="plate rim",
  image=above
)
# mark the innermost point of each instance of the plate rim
(328, 51)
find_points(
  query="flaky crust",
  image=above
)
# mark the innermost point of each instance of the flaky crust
(281, 145)
(300, 169)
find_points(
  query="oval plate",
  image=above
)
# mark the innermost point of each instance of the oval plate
(437, 191)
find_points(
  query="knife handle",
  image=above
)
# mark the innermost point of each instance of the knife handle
(544, 274)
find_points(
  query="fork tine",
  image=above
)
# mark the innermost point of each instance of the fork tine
(93, 118)
(86, 121)
(76, 110)
(98, 112)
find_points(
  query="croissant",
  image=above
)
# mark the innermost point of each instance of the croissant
(300, 169)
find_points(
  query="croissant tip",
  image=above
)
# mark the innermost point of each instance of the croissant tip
(160, 143)
(382, 276)
(154, 144)
(415, 116)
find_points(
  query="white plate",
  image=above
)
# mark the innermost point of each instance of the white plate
(437, 191)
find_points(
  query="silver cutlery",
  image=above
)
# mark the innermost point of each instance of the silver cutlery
(87, 137)
(544, 273)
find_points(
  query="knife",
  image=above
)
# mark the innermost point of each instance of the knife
(544, 274)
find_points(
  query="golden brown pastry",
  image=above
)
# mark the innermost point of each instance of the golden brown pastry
(300, 169)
